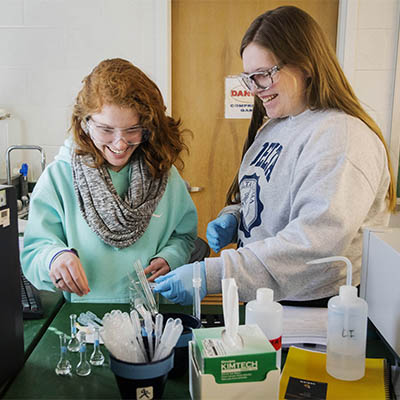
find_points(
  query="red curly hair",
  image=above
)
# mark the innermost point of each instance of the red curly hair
(119, 82)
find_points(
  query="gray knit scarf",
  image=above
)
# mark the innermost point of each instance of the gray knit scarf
(118, 222)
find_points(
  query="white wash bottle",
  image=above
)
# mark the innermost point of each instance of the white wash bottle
(267, 314)
(347, 330)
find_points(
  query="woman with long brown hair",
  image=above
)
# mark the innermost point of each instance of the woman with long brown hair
(315, 170)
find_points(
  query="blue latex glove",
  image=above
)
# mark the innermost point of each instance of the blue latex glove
(177, 285)
(221, 231)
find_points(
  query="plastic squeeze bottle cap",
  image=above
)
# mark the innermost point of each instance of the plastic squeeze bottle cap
(347, 293)
(265, 295)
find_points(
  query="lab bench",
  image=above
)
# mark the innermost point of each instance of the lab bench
(37, 379)
(35, 328)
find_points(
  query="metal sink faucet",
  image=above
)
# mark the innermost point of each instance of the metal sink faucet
(23, 147)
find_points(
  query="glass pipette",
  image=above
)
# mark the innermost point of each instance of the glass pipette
(196, 290)
(151, 303)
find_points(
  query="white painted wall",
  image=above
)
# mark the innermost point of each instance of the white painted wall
(48, 46)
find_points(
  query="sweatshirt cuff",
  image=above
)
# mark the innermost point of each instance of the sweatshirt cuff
(213, 275)
(173, 257)
(233, 209)
(56, 255)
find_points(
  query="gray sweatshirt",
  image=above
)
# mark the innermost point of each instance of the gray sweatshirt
(308, 184)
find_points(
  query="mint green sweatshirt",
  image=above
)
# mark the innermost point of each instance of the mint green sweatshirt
(55, 223)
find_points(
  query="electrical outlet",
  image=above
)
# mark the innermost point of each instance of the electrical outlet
(3, 198)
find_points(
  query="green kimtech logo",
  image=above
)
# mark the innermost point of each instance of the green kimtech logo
(231, 366)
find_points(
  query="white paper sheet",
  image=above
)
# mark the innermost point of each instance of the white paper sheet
(304, 325)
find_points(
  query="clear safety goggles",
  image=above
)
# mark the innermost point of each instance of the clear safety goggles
(107, 135)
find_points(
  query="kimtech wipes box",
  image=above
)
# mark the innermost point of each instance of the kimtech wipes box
(249, 363)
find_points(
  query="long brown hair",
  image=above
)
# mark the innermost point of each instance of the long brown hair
(119, 82)
(295, 38)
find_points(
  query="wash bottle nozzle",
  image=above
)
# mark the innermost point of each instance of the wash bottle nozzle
(336, 258)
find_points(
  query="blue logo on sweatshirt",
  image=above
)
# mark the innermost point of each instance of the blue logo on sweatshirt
(251, 204)
(267, 158)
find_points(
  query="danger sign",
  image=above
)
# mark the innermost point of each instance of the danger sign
(238, 100)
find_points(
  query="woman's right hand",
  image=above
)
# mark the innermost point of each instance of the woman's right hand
(221, 231)
(68, 274)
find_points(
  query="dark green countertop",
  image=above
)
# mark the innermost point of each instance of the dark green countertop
(38, 379)
(35, 328)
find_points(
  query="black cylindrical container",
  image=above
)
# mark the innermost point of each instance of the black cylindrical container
(141, 380)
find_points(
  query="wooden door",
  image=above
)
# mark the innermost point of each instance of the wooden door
(206, 36)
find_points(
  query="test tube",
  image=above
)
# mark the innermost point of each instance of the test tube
(196, 290)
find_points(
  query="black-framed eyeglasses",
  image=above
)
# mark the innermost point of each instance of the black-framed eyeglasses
(260, 79)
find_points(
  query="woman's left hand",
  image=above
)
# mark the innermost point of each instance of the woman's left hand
(158, 266)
